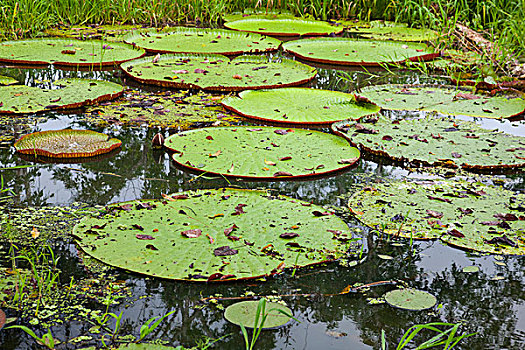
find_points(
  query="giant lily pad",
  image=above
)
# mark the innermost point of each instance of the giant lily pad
(298, 105)
(463, 214)
(358, 52)
(213, 235)
(410, 299)
(197, 40)
(66, 143)
(165, 109)
(384, 30)
(217, 72)
(72, 93)
(443, 99)
(245, 313)
(283, 26)
(108, 32)
(261, 152)
(436, 141)
(253, 14)
(67, 52)
(7, 80)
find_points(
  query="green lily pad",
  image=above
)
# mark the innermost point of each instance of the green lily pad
(410, 299)
(436, 141)
(66, 143)
(71, 93)
(443, 99)
(67, 52)
(7, 80)
(298, 105)
(257, 13)
(213, 235)
(108, 32)
(202, 40)
(168, 109)
(261, 152)
(217, 72)
(353, 52)
(471, 269)
(253, 13)
(384, 30)
(245, 312)
(284, 26)
(467, 215)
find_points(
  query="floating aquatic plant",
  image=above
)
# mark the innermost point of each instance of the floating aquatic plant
(213, 235)
(218, 72)
(261, 152)
(298, 106)
(66, 143)
(72, 93)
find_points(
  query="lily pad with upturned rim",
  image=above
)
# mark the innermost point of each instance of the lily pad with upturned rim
(283, 27)
(66, 143)
(410, 299)
(202, 40)
(245, 312)
(298, 106)
(471, 269)
(384, 30)
(213, 235)
(353, 52)
(466, 215)
(444, 99)
(4, 80)
(435, 141)
(268, 153)
(107, 32)
(171, 109)
(253, 13)
(67, 52)
(218, 72)
(72, 93)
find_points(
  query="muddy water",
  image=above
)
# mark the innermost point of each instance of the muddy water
(490, 302)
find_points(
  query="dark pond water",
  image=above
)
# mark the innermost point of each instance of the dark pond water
(490, 302)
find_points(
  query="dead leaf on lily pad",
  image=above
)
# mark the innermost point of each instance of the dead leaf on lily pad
(192, 233)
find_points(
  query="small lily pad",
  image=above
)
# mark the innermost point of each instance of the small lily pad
(202, 40)
(283, 26)
(67, 52)
(354, 52)
(298, 106)
(471, 269)
(4, 80)
(261, 152)
(66, 143)
(218, 72)
(444, 99)
(68, 94)
(245, 313)
(410, 299)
